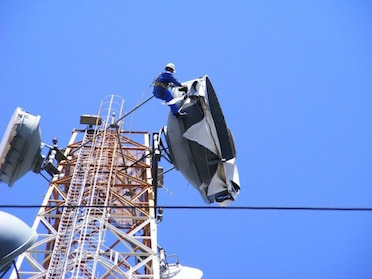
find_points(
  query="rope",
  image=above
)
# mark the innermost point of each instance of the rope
(121, 118)
(143, 96)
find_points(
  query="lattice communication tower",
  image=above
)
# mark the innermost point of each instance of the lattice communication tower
(97, 219)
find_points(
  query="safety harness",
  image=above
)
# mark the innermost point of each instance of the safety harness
(161, 84)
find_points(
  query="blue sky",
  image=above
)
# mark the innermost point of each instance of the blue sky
(294, 81)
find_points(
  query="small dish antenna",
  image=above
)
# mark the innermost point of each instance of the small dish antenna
(20, 147)
(15, 238)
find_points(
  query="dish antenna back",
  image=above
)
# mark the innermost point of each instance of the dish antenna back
(20, 147)
(15, 238)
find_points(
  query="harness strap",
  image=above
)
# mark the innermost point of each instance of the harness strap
(161, 84)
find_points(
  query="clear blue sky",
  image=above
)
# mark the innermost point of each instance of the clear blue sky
(294, 79)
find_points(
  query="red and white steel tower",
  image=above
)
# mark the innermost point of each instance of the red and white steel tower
(98, 216)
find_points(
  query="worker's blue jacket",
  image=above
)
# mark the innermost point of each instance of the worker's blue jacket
(164, 80)
(161, 88)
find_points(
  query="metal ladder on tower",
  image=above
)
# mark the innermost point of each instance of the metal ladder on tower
(62, 246)
(91, 228)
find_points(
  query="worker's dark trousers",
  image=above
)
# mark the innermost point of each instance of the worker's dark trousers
(162, 93)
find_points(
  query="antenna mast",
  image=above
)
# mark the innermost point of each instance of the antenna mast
(97, 219)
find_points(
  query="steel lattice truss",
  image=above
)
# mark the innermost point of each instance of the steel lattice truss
(97, 218)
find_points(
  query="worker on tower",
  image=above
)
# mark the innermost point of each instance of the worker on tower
(163, 82)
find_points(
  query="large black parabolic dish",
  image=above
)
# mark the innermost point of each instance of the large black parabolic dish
(201, 145)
